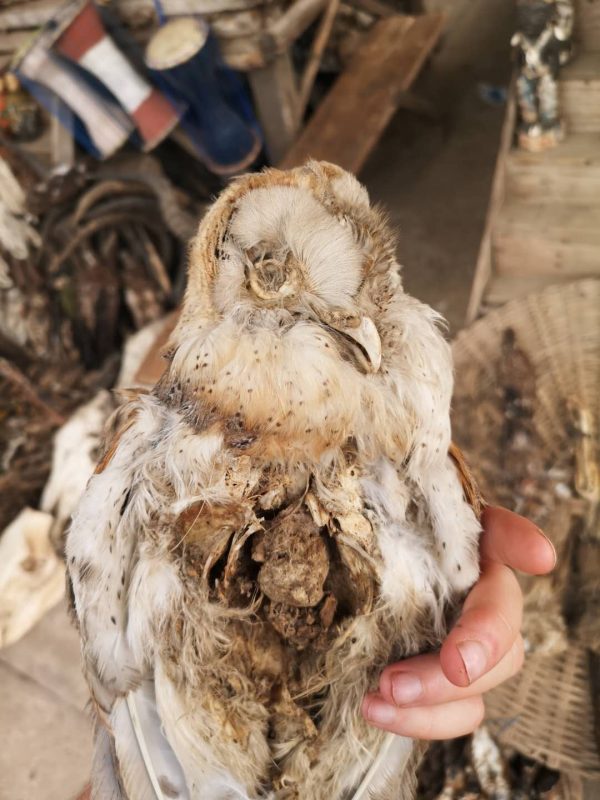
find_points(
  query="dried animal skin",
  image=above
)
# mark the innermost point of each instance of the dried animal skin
(299, 627)
(294, 574)
(304, 574)
(205, 531)
(294, 561)
(31, 574)
(267, 656)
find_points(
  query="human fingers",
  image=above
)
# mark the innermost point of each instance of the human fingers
(420, 681)
(515, 541)
(444, 721)
(487, 628)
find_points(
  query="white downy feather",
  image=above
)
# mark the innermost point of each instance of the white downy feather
(149, 768)
(388, 763)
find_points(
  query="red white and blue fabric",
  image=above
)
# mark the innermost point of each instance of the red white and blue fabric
(86, 42)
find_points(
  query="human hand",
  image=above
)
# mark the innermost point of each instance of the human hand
(439, 695)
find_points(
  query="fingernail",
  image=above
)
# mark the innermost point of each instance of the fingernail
(406, 688)
(551, 543)
(474, 656)
(380, 712)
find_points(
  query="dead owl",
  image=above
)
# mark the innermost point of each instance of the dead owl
(279, 518)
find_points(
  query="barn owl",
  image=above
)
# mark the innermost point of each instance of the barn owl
(279, 518)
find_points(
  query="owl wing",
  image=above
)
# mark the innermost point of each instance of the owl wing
(101, 549)
(132, 757)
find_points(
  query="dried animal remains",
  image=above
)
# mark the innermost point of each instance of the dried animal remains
(279, 519)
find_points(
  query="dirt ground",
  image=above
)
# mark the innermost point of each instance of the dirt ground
(434, 176)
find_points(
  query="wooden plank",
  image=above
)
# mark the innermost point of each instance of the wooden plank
(579, 93)
(557, 240)
(186, 7)
(569, 174)
(62, 144)
(591, 789)
(503, 288)
(354, 114)
(587, 27)
(483, 268)
(585, 67)
(313, 62)
(374, 7)
(283, 32)
(276, 101)
(547, 239)
(13, 41)
(28, 15)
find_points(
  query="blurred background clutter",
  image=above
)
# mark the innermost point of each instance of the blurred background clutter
(477, 124)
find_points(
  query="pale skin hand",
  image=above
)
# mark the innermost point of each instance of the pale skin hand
(439, 696)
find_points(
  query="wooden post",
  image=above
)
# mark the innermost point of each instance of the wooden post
(483, 270)
(276, 99)
(285, 30)
(62, 143)
(316, 53)
(349, 121)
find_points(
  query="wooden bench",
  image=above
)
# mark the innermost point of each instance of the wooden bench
(350, 120)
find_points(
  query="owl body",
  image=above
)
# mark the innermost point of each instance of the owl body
(279, 519)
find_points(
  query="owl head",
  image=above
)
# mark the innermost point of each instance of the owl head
(294, 323)
(301, 245)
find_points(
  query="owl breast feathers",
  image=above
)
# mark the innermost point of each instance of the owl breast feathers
(279, 518)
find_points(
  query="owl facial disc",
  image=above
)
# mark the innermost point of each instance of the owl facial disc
(271, 279)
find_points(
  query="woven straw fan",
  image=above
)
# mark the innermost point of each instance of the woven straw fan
(546, 712)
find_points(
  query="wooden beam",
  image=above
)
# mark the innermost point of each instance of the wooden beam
(27, 15)
(13, 41)
(552, 239)
(409, 101)
(503, 288)
(374, 7)
(587, 28)
(352, 117)
(483, 269)
(315, 56)
(579, 93)
(276, 101)
(285, 30)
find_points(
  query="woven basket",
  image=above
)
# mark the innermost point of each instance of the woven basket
(559, 329)
(546, 711)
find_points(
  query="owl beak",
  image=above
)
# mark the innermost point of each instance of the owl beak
(366, 336)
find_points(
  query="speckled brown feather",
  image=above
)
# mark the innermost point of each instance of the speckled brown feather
(469, 484)
(114, 439)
